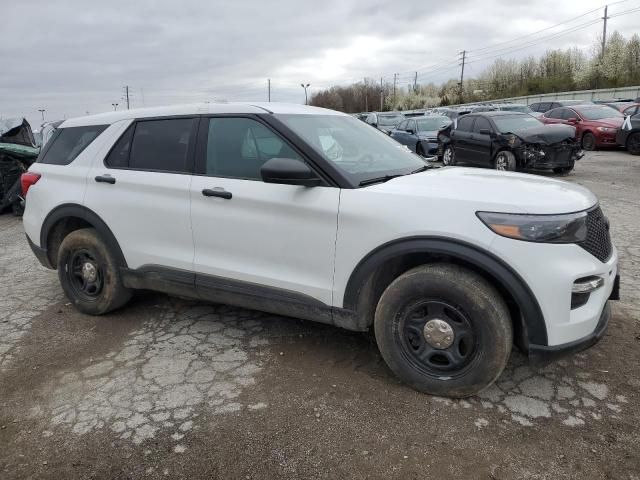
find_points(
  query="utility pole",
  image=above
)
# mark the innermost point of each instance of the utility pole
(268, 89)
(42, 110)
(395, 78)
(604, 29)
(464, 57)
(126, 95)
(415, 83)
(381, 95)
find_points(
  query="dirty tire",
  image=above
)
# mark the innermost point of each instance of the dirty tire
(633, 144)
(588, 142)
(505, 161)
(448, 156)
(464, 300)
(101, 290)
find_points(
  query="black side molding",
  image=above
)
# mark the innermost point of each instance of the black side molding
(41, 254)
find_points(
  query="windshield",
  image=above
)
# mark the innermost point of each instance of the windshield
(598, 113)
(432, 124)
(389, 120)
(516, 108)
(359, 151)
(508, 124)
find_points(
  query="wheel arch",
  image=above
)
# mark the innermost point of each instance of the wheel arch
(67, 218)
(381, 266)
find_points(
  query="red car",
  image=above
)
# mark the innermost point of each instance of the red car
(596, 125)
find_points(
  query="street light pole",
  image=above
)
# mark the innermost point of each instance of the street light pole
(306, 99)
(42, 110)
(115, 106)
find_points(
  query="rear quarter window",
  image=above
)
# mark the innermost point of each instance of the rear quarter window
(68, 143)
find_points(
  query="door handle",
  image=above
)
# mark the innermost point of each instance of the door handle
(211, 192)
(105, 179)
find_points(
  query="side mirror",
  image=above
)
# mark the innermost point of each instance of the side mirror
(410, 130)
(289, 171)
(572, 120)
(485, 131)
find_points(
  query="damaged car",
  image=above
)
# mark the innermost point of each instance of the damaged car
(510, 141)
(17, 152)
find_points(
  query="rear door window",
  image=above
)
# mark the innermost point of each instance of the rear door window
(68, 143)
(556, 113)
(465, 124)
(162, 145)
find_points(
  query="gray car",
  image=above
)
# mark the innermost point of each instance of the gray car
(420, 134)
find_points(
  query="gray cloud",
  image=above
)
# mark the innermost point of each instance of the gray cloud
(74, 56)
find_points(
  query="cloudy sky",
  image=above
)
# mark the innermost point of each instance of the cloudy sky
(73, 57)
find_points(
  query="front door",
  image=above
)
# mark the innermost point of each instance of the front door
(250, 234)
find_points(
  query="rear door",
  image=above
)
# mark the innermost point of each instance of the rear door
(141, 191)
(277, 239)
(461, 137)
(480, 143)
(554, 116)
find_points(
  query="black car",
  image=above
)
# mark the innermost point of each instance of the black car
(543, 107)
(510, 141)
(629, 134)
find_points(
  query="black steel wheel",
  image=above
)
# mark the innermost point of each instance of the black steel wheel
(437, 337)
(85, 274)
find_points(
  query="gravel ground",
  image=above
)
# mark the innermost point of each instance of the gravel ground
(168, 388)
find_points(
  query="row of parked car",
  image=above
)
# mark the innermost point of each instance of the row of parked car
(513, 136)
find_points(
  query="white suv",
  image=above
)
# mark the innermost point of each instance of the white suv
(311, 213)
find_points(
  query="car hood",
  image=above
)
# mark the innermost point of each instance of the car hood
(546, 134)
(491, 190)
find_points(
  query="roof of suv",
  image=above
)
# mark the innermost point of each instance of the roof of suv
(197, 109)
(496, 113)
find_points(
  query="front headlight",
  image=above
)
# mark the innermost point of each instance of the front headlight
(606, 129)
(565, 228)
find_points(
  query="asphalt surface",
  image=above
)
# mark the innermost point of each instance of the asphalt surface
(169, 388)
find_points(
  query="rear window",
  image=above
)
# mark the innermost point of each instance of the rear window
(68, 143)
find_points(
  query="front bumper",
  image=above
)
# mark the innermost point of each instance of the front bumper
(430, 147)
(540, 354)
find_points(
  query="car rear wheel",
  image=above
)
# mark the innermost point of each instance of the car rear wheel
(444, 330)
(448, 156)
(505, 161)
(89, 274)
(633, 144)
(589, 142)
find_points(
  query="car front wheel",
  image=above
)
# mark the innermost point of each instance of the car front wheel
(89, 274)
(505, 161)
(588, 142)
(633, 144)
(444, 330)
(448, 156)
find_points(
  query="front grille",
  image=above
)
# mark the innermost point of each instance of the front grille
(598, 242)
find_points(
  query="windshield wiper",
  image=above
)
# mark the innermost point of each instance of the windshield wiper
(386, 178)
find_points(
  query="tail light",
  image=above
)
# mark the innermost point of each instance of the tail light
(26, 180)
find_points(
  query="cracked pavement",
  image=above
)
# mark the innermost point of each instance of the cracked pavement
(171, 388)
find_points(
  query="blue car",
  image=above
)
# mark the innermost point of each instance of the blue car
(420, 134)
